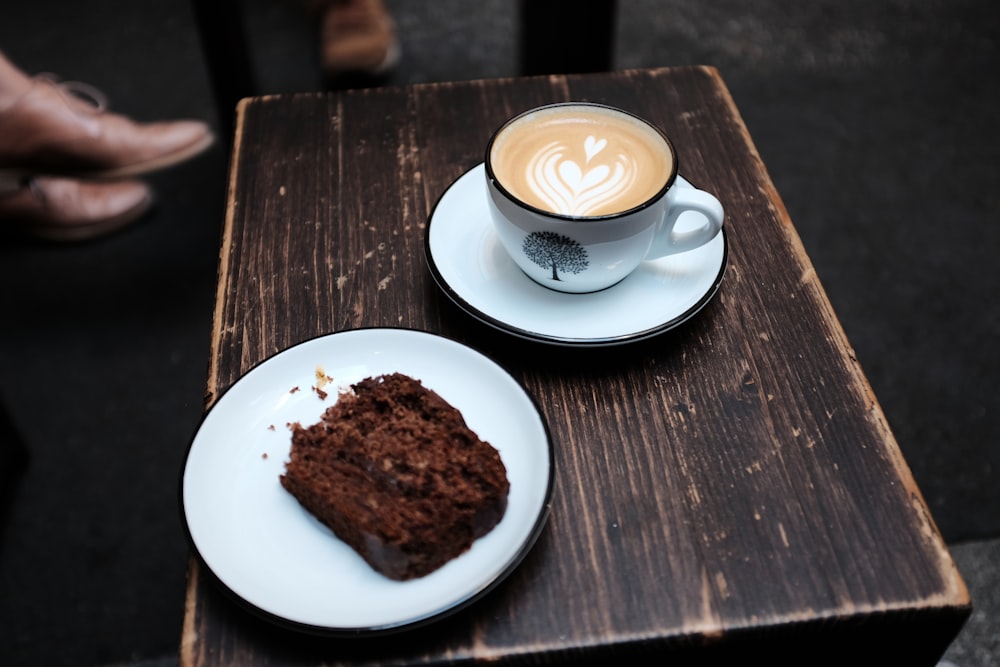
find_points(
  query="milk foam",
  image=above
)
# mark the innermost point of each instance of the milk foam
(581, 161)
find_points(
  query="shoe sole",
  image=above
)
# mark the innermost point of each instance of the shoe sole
(367, 78)
(15, 178)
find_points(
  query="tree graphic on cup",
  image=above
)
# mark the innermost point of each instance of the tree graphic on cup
(556, 251)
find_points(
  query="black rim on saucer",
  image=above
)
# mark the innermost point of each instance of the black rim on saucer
(486, 318)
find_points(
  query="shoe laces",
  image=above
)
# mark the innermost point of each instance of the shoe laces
(79, 90)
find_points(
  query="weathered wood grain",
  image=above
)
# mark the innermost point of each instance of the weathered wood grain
(728, 489)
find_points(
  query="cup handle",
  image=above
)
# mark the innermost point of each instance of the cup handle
(681, 200)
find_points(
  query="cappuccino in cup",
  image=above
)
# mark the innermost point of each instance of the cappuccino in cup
(580, 194)
(581, 160)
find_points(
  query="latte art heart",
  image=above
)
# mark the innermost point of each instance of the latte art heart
(581, 160)
(593, 146)
(567, 187)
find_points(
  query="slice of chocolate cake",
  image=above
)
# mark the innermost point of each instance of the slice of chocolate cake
(395, 472)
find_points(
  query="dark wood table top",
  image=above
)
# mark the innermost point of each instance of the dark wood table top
(726, 490)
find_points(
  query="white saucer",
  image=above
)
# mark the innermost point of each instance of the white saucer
(469, 264)
(256, 539)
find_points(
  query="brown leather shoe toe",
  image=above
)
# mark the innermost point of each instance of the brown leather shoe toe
(50, 130)
(62, 209)
(357, 41)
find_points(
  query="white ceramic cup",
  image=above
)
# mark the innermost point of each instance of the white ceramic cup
(541, 198)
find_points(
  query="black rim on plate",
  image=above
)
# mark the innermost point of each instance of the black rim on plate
(448, 609)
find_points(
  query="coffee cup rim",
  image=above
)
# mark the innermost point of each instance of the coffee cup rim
(492, 178)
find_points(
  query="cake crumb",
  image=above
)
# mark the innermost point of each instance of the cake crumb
(293, 390)
(319, 392)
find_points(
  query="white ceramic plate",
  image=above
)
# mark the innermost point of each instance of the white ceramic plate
(267, 550)
(471, 267)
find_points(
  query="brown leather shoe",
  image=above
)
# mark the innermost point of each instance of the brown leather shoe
(51, 130)
(357, 41)
(63, 209)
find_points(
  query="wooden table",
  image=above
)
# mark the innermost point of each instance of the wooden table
(726, 490)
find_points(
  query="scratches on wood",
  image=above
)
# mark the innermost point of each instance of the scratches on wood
(735, 475)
